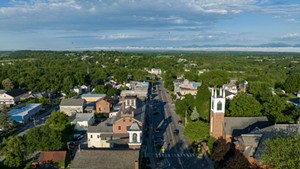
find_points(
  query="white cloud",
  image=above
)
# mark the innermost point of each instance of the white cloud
(291, 36)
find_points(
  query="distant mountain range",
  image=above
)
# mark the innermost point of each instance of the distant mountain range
(233, 45)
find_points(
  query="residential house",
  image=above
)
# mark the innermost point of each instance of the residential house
(12, 97)
(155, 71)
(53, 157)
(184, 87)
(83, 120)
(76, 89)
(92, 97)
(106, 159)
(231, 86)
(26, 113)
(72, 106)
(104, 105)
(85, 88)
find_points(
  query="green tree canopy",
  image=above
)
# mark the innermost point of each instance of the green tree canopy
(58, 120)
(244, 105)
(282, 152)
(7, 84)
(274, 109)
(197, 131)
(292, 83)
(5, 120)
(100, 89)
(44, 138)
(202, 102)
(14, 151)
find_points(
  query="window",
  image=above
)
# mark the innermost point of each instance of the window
(212, 105)
(98, 136)
(119, 127)
(103, 138)
(219, 105)
(129, 120)
(91, 136)
(123, 120)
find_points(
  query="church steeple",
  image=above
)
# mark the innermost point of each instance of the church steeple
(217, 111)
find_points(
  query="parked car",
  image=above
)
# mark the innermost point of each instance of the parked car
(179, 122)
(176, 131)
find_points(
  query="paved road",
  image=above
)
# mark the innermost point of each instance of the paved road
(177, 152)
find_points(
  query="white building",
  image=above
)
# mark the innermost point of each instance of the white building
(155, 71)
(83, 120)
(72, 106)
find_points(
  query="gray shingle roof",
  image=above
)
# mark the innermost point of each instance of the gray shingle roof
(16, 92)
(72, 102)
(105, 159)
(242, 125)
(134, 127)
(101, 127)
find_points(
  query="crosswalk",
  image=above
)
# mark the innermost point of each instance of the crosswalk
(175, 155)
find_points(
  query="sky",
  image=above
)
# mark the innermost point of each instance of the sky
(75, 24)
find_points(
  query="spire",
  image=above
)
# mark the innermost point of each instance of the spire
(216, 94)
(220, 91)
(224, 93)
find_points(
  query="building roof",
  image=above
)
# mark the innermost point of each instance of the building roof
(294, 100)
(16, 92)
(54, 156)
(84, 116)
(241, 125)
(105, 159)
(72, 102)
(22, 111)
(93, 95)
(271, 131)
(134, 127)
(104, 126)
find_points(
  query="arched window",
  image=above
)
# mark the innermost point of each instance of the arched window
(219, 105)
(134, 137)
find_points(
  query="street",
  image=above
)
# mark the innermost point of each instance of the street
(166, 145)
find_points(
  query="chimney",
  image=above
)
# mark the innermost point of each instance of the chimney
(136, 164)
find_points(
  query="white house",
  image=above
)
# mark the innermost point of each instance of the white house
(11, 97)
(72, 106)
(83, 120)
(155, 71)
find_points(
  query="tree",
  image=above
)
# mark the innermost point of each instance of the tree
(14, 151)
(7, 84)
(5, 121)
(58, 120)
(44, 138)
(111, 92)
(292, 83)
(194, 115)
(282, 151)
(273, 108)
(244, 105)
(197, 131)
(202, 102)
(100, 89)
(221, 148)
